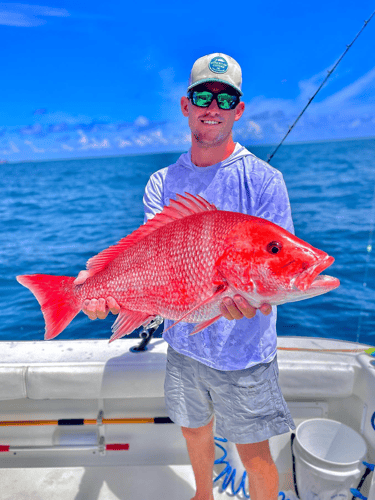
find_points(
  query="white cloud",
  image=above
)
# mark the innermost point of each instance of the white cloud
(13, 147)
(83, 140)
(124, 143)
(91, 143)
(25, 15)
(248, 129)
(34, 148)
(309, 86)
(159, 136)
(104, 144)
(364, 84)
(141, 121)
(255, 128)
(142, 140)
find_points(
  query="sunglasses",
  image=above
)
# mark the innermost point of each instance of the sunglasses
(204, 98)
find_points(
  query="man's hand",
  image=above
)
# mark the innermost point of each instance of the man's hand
(97, 308)
(81, 278)
(238, 307)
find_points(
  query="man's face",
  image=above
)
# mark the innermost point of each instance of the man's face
(211, 126)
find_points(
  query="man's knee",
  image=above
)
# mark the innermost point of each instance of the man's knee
(255, 454)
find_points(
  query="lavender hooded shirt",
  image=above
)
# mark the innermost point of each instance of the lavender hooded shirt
(241, 183)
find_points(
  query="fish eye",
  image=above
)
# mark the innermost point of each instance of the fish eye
(274, 247)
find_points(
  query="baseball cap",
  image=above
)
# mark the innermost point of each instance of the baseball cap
(216, 67)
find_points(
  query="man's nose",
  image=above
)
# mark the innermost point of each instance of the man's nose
(213, 106)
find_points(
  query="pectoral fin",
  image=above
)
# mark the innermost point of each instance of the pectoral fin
(204, 324)
(220, 290)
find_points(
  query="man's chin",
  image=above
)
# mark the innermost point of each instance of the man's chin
(205, 140)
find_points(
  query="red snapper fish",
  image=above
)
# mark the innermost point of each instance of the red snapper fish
(180, 265)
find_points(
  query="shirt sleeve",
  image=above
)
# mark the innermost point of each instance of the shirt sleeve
(273, 203)
(153, 202)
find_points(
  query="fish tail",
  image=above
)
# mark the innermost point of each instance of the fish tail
(57, 300)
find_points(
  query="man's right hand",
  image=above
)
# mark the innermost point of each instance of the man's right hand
(97, 308)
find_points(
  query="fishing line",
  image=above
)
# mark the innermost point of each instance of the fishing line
(329, 73)
(368, 257)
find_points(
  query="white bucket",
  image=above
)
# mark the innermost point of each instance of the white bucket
(328, 456)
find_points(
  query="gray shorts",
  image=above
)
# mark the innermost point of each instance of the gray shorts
(248, 404)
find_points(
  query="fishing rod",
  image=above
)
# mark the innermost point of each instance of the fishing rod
(101, 446)
(86, 421)
(329, 73)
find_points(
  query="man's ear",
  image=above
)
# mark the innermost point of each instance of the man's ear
(185, 105)
(240, 108)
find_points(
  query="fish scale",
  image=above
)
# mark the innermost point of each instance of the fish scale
(180, 265)
(187, 266)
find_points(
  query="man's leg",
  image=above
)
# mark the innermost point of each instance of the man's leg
(201, 448)
(261, 470)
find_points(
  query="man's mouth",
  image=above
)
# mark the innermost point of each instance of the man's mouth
(210, 122)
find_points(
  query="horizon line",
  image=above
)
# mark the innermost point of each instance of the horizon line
(269, 145)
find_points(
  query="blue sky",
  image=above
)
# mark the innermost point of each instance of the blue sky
(88, 78)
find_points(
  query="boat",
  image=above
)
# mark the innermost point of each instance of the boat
(85, 419)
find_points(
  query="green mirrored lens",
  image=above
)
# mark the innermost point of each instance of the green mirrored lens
(202, 99)
(226, 101)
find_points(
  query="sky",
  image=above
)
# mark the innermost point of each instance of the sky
(86, 78)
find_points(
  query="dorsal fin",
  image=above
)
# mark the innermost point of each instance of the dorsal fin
(182, 207)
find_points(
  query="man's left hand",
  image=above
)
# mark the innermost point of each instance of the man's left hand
(238, 307)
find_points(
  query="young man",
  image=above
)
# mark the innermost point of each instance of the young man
(229, 370)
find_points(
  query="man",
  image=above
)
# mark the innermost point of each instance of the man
(228, 370)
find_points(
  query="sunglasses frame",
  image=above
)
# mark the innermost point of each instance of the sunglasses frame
(214, 97)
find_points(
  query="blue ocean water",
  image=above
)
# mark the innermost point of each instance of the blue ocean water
(56, 215)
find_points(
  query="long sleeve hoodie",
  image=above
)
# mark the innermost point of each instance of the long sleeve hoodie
(241, 183)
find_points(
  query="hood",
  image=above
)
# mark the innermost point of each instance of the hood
(239, 152)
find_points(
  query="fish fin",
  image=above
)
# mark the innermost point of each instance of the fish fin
(219, 290)
(177, 209)
(127, 321)
(195, 204)
(57, 300)
(205, 324)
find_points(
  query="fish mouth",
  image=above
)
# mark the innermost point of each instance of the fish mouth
(312, 279)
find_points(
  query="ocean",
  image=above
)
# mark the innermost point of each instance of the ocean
(55, 215)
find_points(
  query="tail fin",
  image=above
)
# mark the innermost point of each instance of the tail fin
(57, 300)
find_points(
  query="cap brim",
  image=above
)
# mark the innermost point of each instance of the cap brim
(205, 80)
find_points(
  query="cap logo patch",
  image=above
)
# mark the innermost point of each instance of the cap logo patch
(218, 65)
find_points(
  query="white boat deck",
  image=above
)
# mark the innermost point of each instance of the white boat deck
(77, 379)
